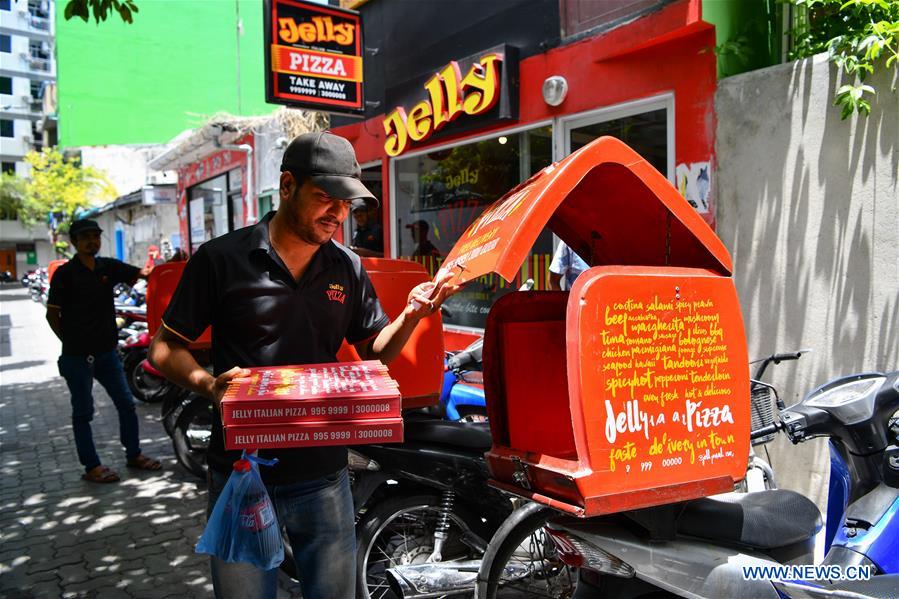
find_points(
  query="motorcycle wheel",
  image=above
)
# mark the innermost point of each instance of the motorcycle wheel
(191, 435)
(521, 560)
(144, 386)
(173, 400)
(400, 531)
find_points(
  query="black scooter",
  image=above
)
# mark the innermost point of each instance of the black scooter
(425, 511)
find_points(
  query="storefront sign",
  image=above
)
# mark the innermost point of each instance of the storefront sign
(471, 87)
(159, 195)
(313, 56)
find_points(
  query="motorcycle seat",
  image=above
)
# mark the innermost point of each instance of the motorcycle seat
(762, 520)
(467, 435)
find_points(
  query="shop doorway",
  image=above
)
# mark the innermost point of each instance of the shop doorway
(8, 262)
(364, 229)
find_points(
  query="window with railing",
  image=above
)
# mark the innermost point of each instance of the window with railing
(39, 8)
(39, 49)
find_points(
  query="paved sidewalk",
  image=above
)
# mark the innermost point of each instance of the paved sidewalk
(61, 536)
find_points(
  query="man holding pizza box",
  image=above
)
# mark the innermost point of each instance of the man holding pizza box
(264, 289)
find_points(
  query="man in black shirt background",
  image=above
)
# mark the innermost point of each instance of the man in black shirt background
(81, 311)
(282, 292)
(368, 238)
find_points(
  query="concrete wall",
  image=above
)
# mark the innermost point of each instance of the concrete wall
(126, 165)
(13, 232)
(141, 226)
(809, 207)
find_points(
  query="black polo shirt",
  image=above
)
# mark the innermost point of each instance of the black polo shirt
(369, 238)
(261, 316)
(86, 303)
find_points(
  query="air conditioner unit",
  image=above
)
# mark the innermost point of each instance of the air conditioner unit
(27, 139)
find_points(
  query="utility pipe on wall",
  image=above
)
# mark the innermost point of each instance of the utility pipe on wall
(249, 201)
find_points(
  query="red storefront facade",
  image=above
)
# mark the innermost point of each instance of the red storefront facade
(650, 82)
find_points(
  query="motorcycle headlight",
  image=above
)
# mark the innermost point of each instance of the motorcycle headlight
(845, 393)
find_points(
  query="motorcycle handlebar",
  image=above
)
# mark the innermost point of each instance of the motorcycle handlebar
(765, 431)
(795, 355)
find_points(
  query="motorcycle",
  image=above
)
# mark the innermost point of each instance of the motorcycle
(462, 392)
(521, 558)
(423, 505)
(745, 544)
(146, 383)
(192, 430)
(135, 295)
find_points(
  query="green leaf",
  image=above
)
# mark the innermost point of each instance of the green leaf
(844, 89)
(846, 111)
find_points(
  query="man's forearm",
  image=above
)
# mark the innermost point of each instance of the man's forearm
(55, 322)
(390, 341)
(178, 365)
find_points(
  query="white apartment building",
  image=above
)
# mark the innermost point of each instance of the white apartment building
(27, 117)
(27, 75)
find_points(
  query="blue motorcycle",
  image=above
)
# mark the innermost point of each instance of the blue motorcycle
(462, 393)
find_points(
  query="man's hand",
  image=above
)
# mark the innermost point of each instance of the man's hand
(219, 384)
(145, 272)
(426, 298)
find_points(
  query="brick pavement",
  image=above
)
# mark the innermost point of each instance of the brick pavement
(61, 536)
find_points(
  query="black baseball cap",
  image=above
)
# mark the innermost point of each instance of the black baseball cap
(85, 224)
(359, 204)
(330, 161)
(420, 225)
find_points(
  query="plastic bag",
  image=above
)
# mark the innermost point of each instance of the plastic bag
(243, 526)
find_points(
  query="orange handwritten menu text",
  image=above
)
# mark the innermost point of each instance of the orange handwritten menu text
(673, 399)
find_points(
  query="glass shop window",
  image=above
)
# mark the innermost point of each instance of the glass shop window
(440, 193)
(215, 207)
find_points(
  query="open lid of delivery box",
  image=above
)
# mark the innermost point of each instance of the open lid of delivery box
(606, 202)
(636, 390)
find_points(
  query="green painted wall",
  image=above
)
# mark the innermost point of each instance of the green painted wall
(756, 22)
(146, 82)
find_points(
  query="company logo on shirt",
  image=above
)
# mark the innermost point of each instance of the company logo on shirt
(335, 293)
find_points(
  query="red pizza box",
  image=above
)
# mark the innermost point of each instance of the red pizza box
(314, 434)
(314, 381)
(289, 411)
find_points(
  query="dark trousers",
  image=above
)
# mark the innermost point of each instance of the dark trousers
(79, 373)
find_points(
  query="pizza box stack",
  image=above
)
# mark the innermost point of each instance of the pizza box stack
(312, 405)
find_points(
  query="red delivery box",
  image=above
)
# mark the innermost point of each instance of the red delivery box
(632, 389)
